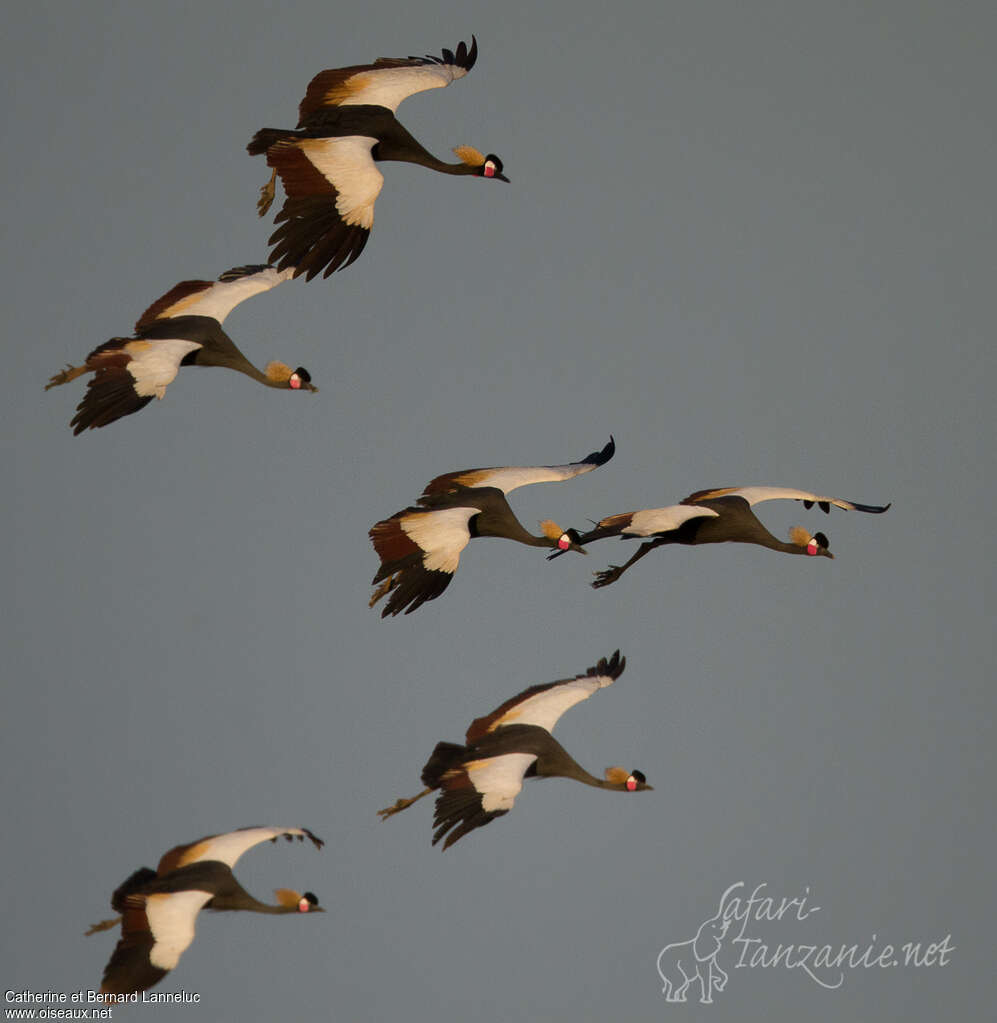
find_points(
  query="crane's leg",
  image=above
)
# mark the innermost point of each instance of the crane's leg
(388, 811)
(67, 374)
(611, 574)
(104, 925)
(267, 193)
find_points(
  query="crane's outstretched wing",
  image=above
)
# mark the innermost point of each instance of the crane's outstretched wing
(647, 522)
(508, 478)
(228, 847)
(331, 185)
(155, 932)
(214, 298)
(477, 792)
(127, 374)
(543, 704)
(387, 81)
(755, 495)
(651, 521)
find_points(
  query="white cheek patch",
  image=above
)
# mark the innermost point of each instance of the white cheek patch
(489, 171)
(812, 547)
(631, 784)
(295, 381)
(564, 542)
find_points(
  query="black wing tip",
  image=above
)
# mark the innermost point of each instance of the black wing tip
(603, 456)
(613, 666)
(412, 588)
(464, 57)
(315, 840)
(248, 270)
(825, 506)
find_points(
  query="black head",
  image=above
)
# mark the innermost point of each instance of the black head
(301, 380)
(637, 782)
(562, 539)
(309, 904)
(819, 545)
(492, 168)
(813, 546)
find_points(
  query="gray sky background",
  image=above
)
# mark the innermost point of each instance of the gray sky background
(755, 242)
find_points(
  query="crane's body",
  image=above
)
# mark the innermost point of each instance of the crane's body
(480, 780)
(159, 907)
(183, 328)
(420, 546)
(716, 516)
(327, 165)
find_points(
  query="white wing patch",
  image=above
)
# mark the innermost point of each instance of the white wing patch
(387, 87)
(442, 535)
(510, 477)
(662, 520)
(223, 296)
(347, 164)
(545, 708)
(754, 495)
(155, 364)
(171, 920)
(499, 779)
(229, 847)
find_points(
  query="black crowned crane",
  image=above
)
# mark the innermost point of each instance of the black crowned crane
(480, 780)
(159, 907)
(346, 125)
(717, 516)
(183, 328)
(420, 546)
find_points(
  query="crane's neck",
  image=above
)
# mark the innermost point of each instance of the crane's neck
(553, 760)
(235, 897)
(217, 348)
(496, 518)
(400, 146)
(735, 522)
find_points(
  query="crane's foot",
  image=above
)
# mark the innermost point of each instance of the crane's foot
(104, 925)
(384, 588)
(609, 575)
(267, 193)
(400, 805)
(64, 376)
